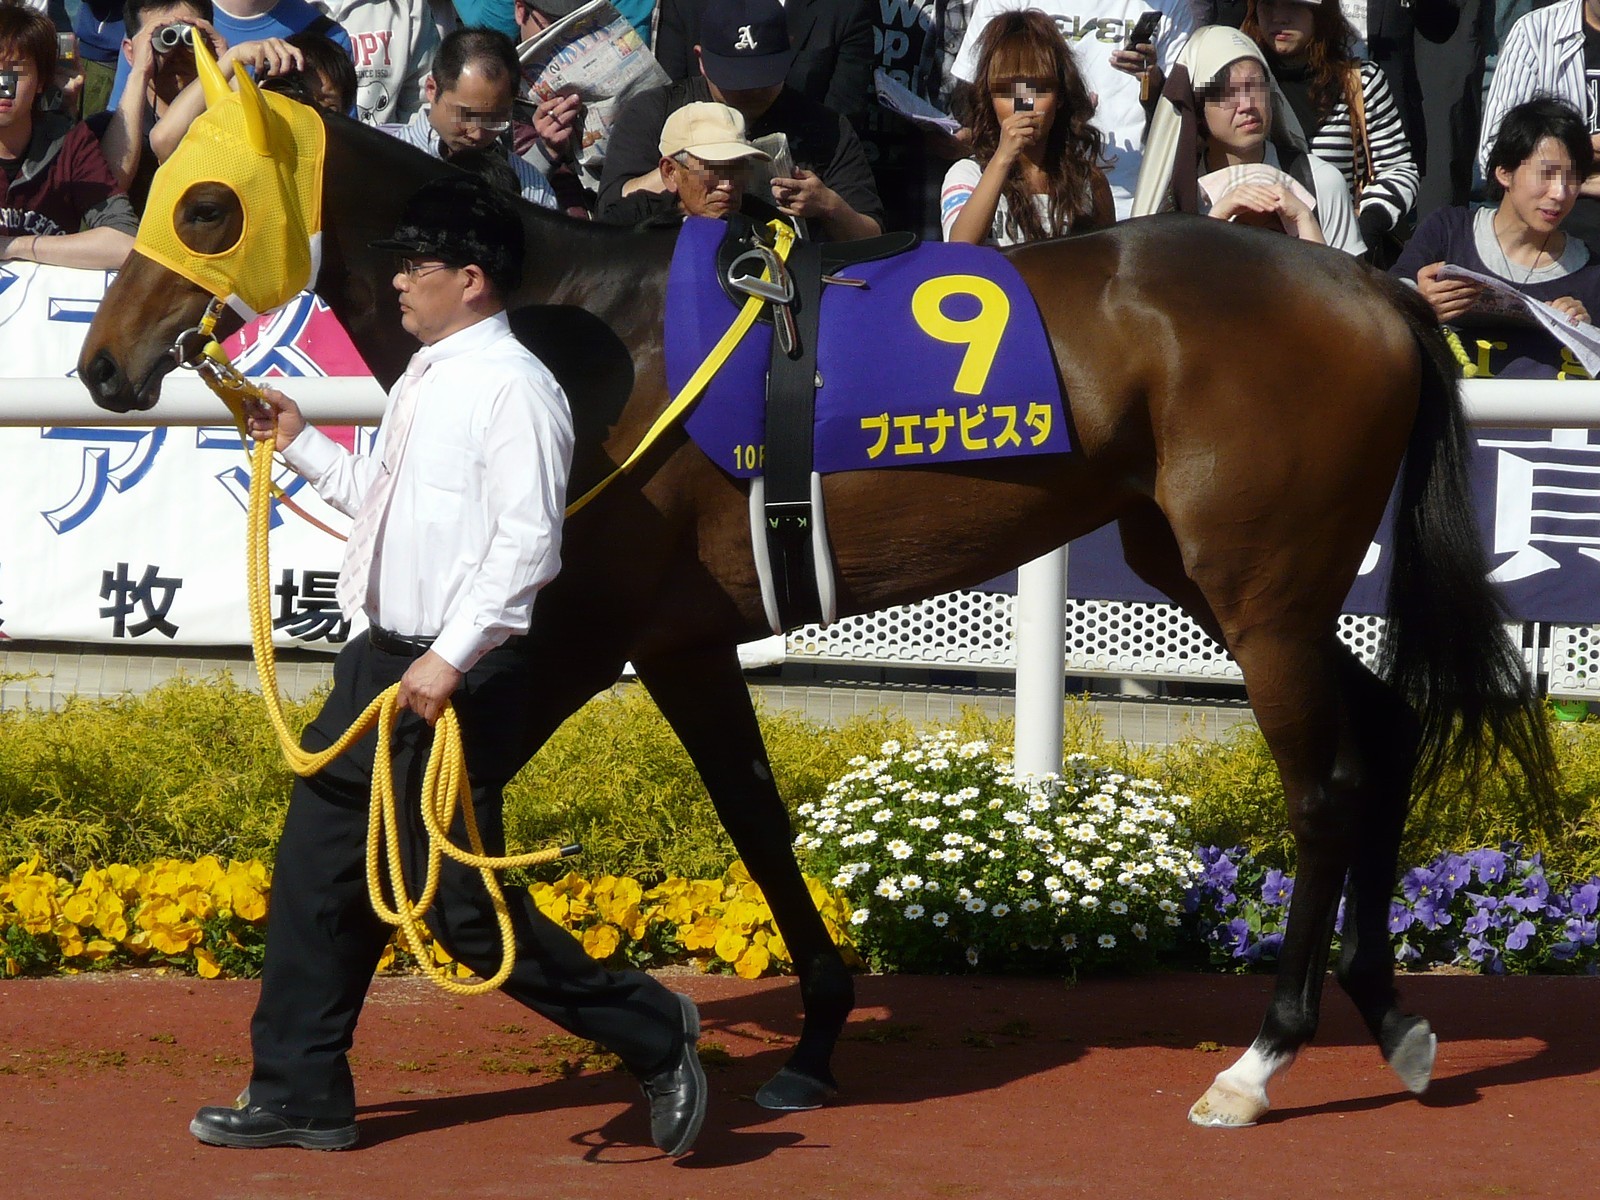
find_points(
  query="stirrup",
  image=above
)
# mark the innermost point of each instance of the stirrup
(777, 288)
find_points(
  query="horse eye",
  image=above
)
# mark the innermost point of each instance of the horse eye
(205, 214)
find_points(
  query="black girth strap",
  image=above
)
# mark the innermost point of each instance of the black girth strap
(791, 405)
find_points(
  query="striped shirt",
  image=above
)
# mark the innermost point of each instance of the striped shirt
(1541, 56)
(1394, 186)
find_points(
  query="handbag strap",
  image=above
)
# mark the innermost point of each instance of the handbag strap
(1358, 129)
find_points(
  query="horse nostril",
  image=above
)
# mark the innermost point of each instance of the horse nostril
(102, 374)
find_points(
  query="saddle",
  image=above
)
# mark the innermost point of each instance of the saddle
(787, 499)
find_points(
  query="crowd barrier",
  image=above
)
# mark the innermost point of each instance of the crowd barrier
(118, 531)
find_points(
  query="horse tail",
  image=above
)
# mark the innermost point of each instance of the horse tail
(1446, 647)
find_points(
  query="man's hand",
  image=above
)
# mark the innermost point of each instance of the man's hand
(143, 64)
(1448, 297)
(804, 195)
(1134, 60)
(267, 57)
(278, 418)
(1572, 309)
(555, 121)
(427, 686)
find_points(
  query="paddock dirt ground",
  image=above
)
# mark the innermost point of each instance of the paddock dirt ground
(957, 1087)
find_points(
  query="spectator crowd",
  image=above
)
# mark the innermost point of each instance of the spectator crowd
(1418, 134)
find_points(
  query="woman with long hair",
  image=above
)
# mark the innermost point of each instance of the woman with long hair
(1218, 147)
(1035, 170)
(1536, 166)
(1344, 106)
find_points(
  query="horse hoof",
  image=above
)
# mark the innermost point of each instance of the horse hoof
(790, 1091)
(1412, 1059)
(1223, 1107)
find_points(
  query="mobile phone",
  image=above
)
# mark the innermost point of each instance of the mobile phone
(1022, 104)
(67, 47)
(1143, 31)
(8, 85)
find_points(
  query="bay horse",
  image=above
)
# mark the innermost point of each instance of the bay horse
(1240, 403)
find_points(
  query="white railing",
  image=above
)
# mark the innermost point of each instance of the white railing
(1024, 638)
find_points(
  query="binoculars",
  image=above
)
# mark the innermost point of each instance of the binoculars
(170, 37)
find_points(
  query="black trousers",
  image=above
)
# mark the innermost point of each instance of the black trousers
(324, 941)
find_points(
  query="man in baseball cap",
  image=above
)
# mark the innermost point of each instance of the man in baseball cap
(744, 54)
(706, 159)
(744, 45)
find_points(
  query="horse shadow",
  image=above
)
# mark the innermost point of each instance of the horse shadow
(915, 1039)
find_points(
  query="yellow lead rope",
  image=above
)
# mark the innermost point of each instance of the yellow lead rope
(445, 784)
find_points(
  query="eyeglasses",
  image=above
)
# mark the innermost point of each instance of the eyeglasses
(169, 37)
(414, 270)
(490, 120)
(1236, 95)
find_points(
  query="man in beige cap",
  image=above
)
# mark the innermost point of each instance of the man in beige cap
(706, 159)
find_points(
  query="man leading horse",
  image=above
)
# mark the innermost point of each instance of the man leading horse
(457, 513)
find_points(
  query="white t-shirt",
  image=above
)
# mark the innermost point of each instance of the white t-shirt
(393, 43)
(1094, 28)
(959, 182)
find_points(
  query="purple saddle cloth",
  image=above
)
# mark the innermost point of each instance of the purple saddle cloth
(941, 358)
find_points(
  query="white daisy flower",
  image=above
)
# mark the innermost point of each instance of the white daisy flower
(941, 919)
(913, 912)
(972, 956)
(887, 889)
(1119, 907)
(882, 815)
(1000, 910)
(1069, 942)
(976, 905)
(899, 848)
(1060, 896)
(1106, 941)
(1030, 905)
(911, 882)
(1024, 876)
(1089, 902)
(859, 917)
(1139, 931)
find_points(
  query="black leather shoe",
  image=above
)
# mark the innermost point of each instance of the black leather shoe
(255, 1128)
(677, 1095)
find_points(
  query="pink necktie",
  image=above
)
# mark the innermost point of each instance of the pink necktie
(355, 573)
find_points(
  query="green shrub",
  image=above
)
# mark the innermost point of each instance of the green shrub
(192, 768)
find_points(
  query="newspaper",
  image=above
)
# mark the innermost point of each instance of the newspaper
(596, 54)
(899, 99)
(1499, 301)
(782, 166)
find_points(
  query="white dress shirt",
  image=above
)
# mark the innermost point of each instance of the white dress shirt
(474, 524)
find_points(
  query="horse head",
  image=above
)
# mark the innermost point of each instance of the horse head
(234, 216)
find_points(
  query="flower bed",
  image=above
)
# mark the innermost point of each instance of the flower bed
(949, 862)
(1493, 910)
(209, 918)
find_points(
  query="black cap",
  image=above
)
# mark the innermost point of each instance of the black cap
(460, 219)
(744, 44)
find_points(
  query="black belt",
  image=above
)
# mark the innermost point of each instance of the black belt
(393, 643)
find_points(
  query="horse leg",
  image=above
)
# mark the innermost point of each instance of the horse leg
(703, 695)
(1306, 712)
(1366, 961)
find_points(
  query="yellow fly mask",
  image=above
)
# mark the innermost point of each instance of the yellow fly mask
(268, 150)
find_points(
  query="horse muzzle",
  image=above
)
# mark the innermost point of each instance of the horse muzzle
(110, 388)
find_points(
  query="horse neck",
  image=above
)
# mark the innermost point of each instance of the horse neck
(367, 178)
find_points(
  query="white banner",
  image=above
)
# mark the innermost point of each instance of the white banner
(137, 534)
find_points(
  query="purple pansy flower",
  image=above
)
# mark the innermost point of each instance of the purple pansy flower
(1490, 865)
(1277, 888)
(1586, 899)
(1476, 924)
(1520, 935)
(1400, 917)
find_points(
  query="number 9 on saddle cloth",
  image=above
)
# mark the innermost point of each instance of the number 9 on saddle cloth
(931, 354)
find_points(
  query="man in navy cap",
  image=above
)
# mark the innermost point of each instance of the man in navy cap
(832, 40)
(457, 526)
(745, 55)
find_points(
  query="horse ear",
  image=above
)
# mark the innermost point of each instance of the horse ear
(212, 84)
(255, 113)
